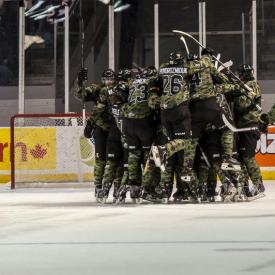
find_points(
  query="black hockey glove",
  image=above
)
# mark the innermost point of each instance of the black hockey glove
(89, 129)
(263, 123)
(82, 76)
(207, 51)
(120, 94)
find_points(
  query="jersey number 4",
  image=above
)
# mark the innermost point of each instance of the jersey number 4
(195, 80)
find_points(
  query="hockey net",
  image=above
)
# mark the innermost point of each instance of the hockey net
(50, 148)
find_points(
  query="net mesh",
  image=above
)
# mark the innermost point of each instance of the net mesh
(51, 149)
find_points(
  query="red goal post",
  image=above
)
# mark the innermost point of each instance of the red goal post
(49, 148)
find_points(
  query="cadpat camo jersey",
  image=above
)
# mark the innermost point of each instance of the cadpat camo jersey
(137, 105)
(174, 86)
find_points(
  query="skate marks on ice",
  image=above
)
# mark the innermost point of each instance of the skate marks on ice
(259, 267)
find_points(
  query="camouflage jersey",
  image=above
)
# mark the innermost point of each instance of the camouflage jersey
(245, 112)
(114, 110)
(271, 115)
(201, 75)
(174, 88)
(137, 105)
(92, 93)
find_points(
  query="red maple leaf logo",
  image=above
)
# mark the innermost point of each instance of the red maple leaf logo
(38, 152)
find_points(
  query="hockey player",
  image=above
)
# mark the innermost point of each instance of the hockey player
(97, 125)
(124, 76)
(172, 84)
(162, 192)
(204, 108)
(108, 102)
(139, 135)
(210, 149)
(246, 115)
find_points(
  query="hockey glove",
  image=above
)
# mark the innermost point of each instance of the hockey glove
(82, 76)
(263, 123)
(89, 129)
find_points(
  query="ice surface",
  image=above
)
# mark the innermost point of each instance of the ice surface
(63, 231)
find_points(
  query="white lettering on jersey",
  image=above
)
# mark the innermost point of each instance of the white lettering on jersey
(173, 70)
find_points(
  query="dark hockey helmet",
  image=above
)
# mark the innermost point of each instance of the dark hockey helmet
(207, 51)
(108, 77)
(120, 93)
(137, 73)
(192, 57)
(124, 74)
(246, 71)
(108, 74)
(175, 58)
(150, 71)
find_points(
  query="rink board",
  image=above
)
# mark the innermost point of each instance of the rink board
(60, 154)
(47, 154)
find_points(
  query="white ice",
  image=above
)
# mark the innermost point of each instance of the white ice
(63, 231)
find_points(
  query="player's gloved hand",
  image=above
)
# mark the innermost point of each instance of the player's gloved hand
(207, 51)
(82, 76)
(89, 129)
(263, 123)
(120, 94)
(192, 57)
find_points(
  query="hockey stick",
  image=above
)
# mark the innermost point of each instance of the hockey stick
(82, 37)
(234, 129)
(248, 89)
(226, 64)
(148, 161)
(216, 62)
(185, 44)
(204, 156)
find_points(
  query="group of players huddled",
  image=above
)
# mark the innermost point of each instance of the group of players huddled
(153, 127)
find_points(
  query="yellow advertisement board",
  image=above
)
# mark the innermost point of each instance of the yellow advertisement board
(4, 149)
(35, 149)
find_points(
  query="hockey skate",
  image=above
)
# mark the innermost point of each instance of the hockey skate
(149, 194)
(135, 193)
(194, 197)
(203, 193)
(159, 154)
(211, 195)
(256, 192)
(115, 193)
(122, 192)
(230, 164)
(98, 193)
(165, 195)
(180, 195)
(105, 191)
(229, 192)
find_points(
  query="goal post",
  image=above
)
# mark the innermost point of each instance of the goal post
(50, 148)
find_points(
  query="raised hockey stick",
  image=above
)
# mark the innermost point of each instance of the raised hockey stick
(234, 129)
(82, 37)
(185, 44)
(216, 62)
(227, 64)
(248, 89)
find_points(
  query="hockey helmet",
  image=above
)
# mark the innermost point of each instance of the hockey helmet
(124, 74)
(175, 58)
(150, 71)
(207, 51)
(246, 71)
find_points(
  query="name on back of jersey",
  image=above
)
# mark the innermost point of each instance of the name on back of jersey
(173, 70)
